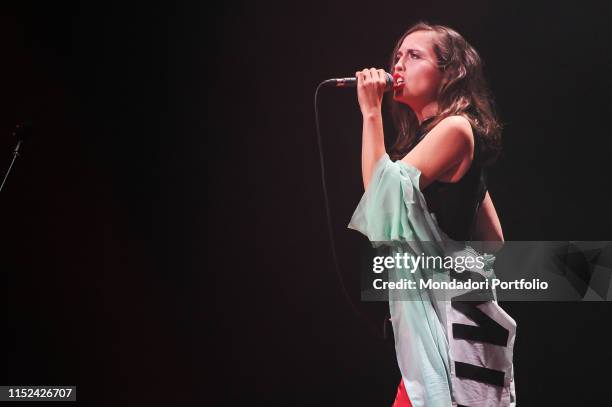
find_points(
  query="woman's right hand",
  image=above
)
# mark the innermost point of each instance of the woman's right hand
(371, 84)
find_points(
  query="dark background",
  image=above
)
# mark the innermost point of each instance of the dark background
(164, 233)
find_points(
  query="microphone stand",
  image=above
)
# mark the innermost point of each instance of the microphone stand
(15, 155)
(22, 132)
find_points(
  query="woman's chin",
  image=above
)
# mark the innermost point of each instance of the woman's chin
(398, 96)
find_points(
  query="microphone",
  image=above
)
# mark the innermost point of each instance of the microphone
(352, 82)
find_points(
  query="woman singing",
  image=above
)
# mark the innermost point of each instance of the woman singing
(448, 134)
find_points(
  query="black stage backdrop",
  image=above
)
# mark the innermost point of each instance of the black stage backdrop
(164, 235)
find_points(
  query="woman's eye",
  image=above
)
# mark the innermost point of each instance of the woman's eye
(411, 55)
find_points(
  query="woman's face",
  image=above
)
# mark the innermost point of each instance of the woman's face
(416, 66)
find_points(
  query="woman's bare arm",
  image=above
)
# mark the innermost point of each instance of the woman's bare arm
(488, 227)
(371, 85)
(448, 147)
(373, 145)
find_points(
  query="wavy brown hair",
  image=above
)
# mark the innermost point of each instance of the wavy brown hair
(463, 91)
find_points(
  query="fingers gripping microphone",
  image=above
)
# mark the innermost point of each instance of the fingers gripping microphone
(352, 82)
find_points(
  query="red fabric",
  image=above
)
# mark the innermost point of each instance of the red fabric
(401, 399)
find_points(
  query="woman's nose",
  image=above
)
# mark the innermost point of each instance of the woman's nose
(398, 67)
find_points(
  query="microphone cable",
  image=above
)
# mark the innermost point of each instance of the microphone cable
(352, 304)
(15, 155)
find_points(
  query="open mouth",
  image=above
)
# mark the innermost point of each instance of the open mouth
(398, 82)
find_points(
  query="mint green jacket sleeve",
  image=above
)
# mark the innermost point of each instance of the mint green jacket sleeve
(393, 208)
(393, 212)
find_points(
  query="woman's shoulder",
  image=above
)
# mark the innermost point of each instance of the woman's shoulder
(457, 126)
(484, 146)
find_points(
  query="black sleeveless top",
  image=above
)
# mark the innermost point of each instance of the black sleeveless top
(454, 204)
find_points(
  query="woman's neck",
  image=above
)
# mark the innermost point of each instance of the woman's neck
(427, 111)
